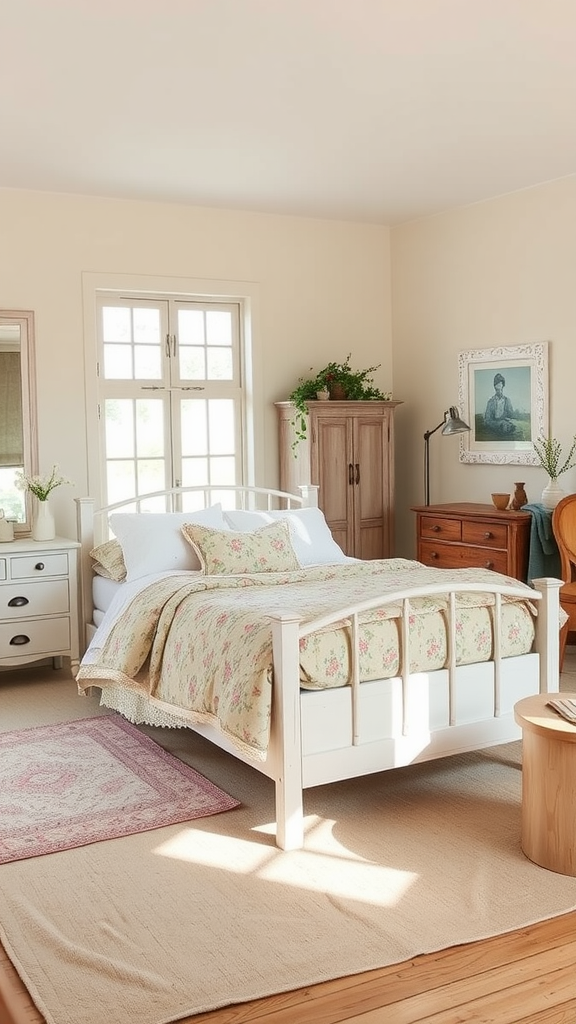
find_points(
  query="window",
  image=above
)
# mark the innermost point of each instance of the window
(171, 401)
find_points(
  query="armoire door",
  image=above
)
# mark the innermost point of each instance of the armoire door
(371, 487)
(332, 467)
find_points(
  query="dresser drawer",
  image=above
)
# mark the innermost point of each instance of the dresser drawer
(459, 556)
(446, 529)
(488, 535)
(2, 568)
(46, 597)
(24, 567)
(42, 636)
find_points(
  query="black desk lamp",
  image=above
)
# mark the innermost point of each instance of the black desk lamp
(451, 424)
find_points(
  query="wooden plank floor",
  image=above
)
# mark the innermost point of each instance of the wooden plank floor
(524, 977)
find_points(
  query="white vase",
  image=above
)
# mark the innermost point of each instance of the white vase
(552, 494)
(43, 526)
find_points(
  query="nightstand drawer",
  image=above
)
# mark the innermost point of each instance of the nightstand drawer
(24, 567)
(444, 529)
(488, 535)
(46, 597)
(459, 556)
(26, 638)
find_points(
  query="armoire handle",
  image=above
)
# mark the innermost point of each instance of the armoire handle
(350, 473)
(357, 472)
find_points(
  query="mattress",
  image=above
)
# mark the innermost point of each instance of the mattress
(103, 593)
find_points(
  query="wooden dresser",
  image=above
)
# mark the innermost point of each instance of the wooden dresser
(463, 534)
(39, 602)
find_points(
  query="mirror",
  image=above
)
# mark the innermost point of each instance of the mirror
(18, 434)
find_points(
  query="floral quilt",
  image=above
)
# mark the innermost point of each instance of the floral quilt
(201, 646)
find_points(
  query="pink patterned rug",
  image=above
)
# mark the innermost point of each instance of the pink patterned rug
(76, 783)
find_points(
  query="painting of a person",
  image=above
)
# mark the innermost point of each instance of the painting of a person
(499, 410)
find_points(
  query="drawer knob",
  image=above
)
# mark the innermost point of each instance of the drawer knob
(433, 554)
(436, 528)
(40, 566)
(17, 602)
(489, 565)
(488, 534)
(20, 639)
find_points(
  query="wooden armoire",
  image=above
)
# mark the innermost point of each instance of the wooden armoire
(349, 452)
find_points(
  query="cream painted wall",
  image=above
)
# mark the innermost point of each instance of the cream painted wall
(323, 290)
(495, 274)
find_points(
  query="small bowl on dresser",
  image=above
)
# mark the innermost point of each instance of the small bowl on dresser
(500, 501)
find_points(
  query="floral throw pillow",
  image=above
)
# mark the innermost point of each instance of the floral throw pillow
(109, 561)
(227, 553)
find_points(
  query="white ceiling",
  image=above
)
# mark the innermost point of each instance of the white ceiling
(376, 110)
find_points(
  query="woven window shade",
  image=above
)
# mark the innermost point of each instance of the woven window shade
(11, 438)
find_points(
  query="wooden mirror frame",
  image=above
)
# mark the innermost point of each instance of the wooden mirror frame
(24, 319)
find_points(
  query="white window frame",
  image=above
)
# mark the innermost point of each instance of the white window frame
(246, 294)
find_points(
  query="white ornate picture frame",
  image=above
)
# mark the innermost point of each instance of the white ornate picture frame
(504, 418)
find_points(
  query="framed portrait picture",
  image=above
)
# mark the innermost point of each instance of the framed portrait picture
(503, 395)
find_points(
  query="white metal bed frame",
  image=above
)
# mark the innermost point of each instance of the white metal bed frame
(328, 735)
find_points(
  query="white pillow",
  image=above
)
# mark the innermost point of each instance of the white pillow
(153, 541)
(311, 538)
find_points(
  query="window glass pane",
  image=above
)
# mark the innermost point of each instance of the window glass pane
(149, 427)
(194, 472)
(194, 438)
(147, 363)
(151, 475)
(218, 327)
(221, 426)
(119, 428)
(191, 326)
(121, 480)
(192, 363)
(220, 365)
(116, 324)
(146, 326)
(223, 471)
(118, 362)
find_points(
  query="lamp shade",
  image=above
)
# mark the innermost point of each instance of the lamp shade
(453, 424)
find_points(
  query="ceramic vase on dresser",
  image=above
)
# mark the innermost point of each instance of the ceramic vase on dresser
(43, 526)
(552, 494)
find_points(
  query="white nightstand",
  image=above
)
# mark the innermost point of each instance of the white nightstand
(39, 601)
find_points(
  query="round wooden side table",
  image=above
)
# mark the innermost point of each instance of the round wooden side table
(548, 783)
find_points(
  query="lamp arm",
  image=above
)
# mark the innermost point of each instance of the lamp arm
(429, 433)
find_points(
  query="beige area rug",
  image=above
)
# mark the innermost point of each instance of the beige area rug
(164, 924)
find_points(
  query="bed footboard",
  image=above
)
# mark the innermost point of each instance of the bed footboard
(411, 737)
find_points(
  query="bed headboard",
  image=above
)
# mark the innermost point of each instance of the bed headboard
(92, 524)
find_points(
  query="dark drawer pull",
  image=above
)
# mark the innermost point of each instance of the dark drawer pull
(488, 534)
(20, 639)
(489, 565)
(434, 554)
(40, 566)
(17, 602)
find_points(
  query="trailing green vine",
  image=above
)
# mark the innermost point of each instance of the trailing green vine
(357, 385)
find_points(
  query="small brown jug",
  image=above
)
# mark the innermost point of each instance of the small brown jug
(520, 497)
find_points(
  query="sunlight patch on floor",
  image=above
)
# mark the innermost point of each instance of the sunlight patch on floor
(337, 874)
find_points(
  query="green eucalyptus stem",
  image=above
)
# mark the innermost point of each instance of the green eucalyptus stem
(549, 452)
